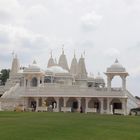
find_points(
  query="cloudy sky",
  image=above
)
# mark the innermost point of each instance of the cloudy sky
(104, 29)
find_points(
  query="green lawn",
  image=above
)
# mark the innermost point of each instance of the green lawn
(67, 126)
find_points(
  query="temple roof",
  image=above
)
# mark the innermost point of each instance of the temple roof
(63, 61)
(33, 68)
(116, 67)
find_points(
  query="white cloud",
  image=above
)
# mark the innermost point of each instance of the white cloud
(104, 29)
(112, 52)
(91, 20)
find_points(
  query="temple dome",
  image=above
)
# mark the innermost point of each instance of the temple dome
(56, 69)
(116, 67)
(33, 68)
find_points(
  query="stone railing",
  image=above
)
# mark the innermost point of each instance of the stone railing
(70, 92)
(10, 92)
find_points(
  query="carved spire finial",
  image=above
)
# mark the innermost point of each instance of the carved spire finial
(62, 48)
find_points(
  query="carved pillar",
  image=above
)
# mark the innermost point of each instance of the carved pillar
(86, 104)
(29, 83)
(38, 81)
(65, 101)
(37, 103)
(26, 102)
(43, 81)
(108, 106)
(124, 106)
(123, 83)
(24, 82)
(79, 103)
(57, 104)
(101, 105)
(109, 82)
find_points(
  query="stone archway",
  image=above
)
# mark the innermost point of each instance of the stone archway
(73, 103)
(94, 103)
(32, 103)
(116, 104)
(50, 102)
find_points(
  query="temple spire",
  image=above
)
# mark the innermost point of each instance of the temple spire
(15, 65)
(62, 48)
(63, 61)
(74, 65)
(51, 61)
(82, 72)
(74, 54)
(51, 53)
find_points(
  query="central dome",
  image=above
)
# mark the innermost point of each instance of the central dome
(33, 68)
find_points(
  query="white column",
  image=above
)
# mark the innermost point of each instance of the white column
(43, 102)
(124, 106)
(108, 83)
(51, 79)
(124, 83)
(43, 81)
(111, 108)
(37, 103)
(79, 104)
(57, 104)
(26, 102)
(24, 82)
(101, 105)
(108, 105)
(38, 81)
(65, 101)
(29, 83)
(86, 103)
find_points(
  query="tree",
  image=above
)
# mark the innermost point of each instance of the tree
(4, 76)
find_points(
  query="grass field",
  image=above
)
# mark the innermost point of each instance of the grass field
(67, 126)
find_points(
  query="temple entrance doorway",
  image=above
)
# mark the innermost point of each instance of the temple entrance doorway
(33, 105)
(116, 104)
(72, 102)
(74, 106)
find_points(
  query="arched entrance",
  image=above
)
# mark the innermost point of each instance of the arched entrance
(116, 82)
(116, 104)
(73, 103)
(94, 103)
(32, 103)
(34, 82)
(50, 102)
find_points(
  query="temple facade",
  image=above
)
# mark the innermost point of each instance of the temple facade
(61, 88)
